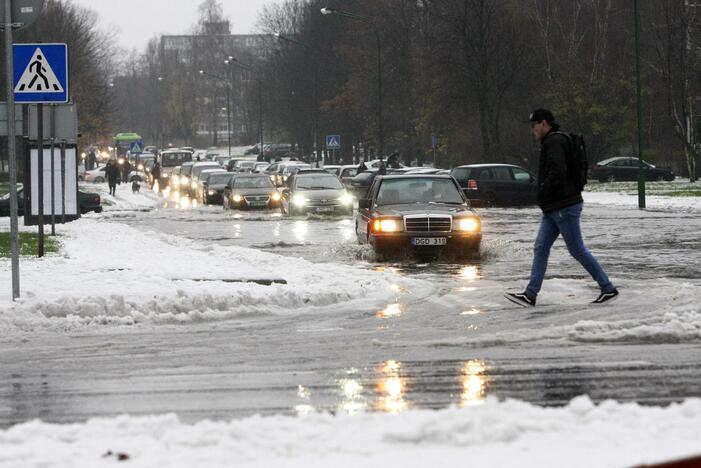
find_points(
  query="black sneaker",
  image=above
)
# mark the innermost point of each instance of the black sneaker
(521, 299)
(606, 297)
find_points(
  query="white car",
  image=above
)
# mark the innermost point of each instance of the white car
(95, 175)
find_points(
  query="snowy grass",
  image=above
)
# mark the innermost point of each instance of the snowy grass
(28, 244)
(676, 188)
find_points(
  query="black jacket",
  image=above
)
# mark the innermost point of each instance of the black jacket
(556, 189)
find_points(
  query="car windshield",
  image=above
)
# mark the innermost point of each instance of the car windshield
(219, 178)
(175, 159)
(418, 190)
(318, 182)
(253, 182)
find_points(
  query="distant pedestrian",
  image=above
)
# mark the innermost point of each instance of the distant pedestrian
(112, 174)
(559, 196)
(155, 173)
(393, 161)
(126, 169)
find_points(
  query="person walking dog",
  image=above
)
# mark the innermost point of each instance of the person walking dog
(559, 196)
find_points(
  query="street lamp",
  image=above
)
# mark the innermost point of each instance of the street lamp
(228, 104)
(641, 166)
(317, 145)
(365, 19)
(233, 61)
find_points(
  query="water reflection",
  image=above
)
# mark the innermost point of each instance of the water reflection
(392, 310)
(472, 311)
(304, 408)
(353, 400)
(390, 388)
(470, 272)
(300, 230)
(473, 383)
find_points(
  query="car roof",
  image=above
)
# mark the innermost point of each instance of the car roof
(417, 176)
(206, 163)
(488, 165)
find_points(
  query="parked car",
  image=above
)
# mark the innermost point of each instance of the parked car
(255, 149)
(96, 175)
(626, 168)
(275, 151)
(496, 184)
(316, 193)
(86, 202)
(246, 191)
(419, 212)
(212, 185)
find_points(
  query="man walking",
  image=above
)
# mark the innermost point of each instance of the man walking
(560, 198)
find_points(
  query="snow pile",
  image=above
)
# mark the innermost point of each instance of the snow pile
(111, 273)
(124, 199)
(492, 434)
(669, 328)
(684, 204)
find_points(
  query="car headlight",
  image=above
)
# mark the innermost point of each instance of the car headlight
(211, 192)
(299, 200)
(346, 199)
(469, 224)
(140, 167)
(183, 180)
(193, 184)
(385, 225)
(275, 196)
(237, 198)
(176, 182)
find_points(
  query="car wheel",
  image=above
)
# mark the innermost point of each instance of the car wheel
(610, 178)
(99, 180)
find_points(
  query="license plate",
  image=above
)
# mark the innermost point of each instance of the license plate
(324, 209)
(257, 203)
(428, 240)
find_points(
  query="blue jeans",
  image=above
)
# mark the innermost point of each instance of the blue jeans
(566, 222)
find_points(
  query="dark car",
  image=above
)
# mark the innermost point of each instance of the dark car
(319, 193)
(276, 151)
(213, 185)
(360, 184)
(86, 202)
(251, 191)
(626, 168)
(496, 184)
(420, 213)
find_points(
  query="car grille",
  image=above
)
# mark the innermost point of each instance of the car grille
(257, 198)
(428, 223)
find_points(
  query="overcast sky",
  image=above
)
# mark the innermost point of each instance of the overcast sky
(139, 20)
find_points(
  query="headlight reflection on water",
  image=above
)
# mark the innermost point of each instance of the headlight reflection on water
(473, 383)
(390, 388)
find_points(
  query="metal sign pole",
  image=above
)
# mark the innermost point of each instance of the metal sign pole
(40, 178)
(52, 124)
(63, 182)
(11, 150)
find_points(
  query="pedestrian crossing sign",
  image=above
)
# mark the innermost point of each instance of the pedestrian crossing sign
(40, 73)
(333, 142)
(136, 147)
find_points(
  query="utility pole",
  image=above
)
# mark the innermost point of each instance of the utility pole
(641, 166)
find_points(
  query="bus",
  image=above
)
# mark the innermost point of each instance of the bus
(123, 141)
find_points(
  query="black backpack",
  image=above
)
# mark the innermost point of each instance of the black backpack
(577, 164)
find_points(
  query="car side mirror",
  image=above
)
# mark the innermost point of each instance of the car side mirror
(365, 203)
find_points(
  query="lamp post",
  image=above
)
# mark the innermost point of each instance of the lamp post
(315, 131)
(233, 61)
(160, 119)
(368, 20)
(641, 166)
(228, 104)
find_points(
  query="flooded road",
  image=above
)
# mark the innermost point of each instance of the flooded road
(456, 345)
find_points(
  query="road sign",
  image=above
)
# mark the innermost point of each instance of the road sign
(434, 141)
(333, 142)
(136, 147)
(24, 12)
(40, 73)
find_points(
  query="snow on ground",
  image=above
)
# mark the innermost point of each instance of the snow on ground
(653, 202)
(494, 434)
(110, 273)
